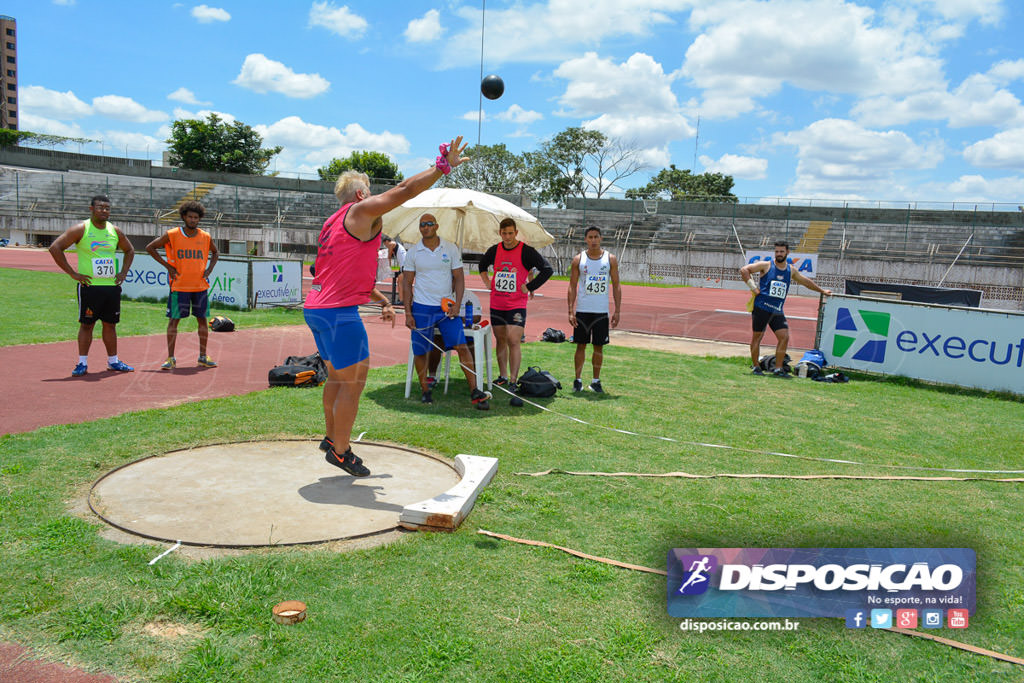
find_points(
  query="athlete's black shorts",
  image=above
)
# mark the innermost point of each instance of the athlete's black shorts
(515, 316)
(591, 328)
(99, 302)
(183, 304)
(762, 318)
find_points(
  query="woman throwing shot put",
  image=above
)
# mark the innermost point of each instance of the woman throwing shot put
(346, 270)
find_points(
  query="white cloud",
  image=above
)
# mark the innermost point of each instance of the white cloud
(207, 15)
(184, 95)
(125, 109)
(135, 142)
(748, 49)
(180, 113)
(1002, 150)
(339, 20)
(474, 115)
(985, 11)
(840, 158)
(426, 29)
(310, 144)
(553, 30)
(52, 104)
(978, 101)
(746, 168)
(48, 126)
(516, 114)
(263, 75)
(632, 101)
(65, 3)
(1008, 71)
(976, 188)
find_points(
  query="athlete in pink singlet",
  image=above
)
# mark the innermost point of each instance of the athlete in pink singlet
(346, 265)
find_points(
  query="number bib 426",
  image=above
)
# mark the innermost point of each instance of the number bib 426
(505, 282)
(103, 267)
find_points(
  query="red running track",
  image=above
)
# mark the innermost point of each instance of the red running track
(54, 397)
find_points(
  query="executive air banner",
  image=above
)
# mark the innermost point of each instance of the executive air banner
(968, 347)
(235, 281)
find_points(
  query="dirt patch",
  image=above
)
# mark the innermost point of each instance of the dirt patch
(171, 631)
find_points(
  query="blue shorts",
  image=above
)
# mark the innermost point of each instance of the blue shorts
(429, 317)
(183, 304)
(339, 334)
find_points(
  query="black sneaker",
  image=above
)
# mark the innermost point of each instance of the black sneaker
(596, 387)
(501, 382)
(757, 371)
(348, 461)
(577, 385)
(426, 397)
(781, 373)
(480, 399)
(326, 444)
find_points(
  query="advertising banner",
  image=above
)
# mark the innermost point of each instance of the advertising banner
(820, 582)
(229, 281)
(805, 264)
(962, 346)
(276, 282)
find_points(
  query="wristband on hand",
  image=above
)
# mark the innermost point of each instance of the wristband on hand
(442, 164)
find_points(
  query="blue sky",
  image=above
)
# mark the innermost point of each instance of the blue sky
(902, 100)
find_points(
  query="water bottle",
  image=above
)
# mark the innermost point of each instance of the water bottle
(468, 322)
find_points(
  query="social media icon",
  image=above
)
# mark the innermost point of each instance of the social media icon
(957, 618)
(906, 618)
(856, 618)
(881, 618)
(931, 618)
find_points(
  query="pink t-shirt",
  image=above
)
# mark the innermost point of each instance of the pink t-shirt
(346, 268)
(509, 277)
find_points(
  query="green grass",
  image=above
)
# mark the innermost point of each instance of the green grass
(460, 606)
(50, 311)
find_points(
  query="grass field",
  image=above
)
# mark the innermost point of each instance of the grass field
(446, 607)
(54, 312)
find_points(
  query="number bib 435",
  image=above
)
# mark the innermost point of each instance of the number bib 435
(505, 282)
(596, 284)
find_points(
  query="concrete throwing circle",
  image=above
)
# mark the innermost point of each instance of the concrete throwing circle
(265, 493)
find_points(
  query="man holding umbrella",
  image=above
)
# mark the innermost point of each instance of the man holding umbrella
(512, 261)
(346, 270)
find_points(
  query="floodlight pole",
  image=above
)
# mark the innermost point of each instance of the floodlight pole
(480, 111)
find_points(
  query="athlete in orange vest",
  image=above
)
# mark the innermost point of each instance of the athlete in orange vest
(191, 256)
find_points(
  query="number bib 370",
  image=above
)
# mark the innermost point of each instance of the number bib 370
(103, 268)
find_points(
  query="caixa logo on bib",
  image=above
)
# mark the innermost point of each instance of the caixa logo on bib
(816, 582)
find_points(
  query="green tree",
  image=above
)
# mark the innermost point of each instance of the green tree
(377, 165)
(215, 145)
(578, 162)
(683, 185)
(491, 168)
(11, 138)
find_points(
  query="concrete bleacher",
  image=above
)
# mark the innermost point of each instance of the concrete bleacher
(997, 238)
